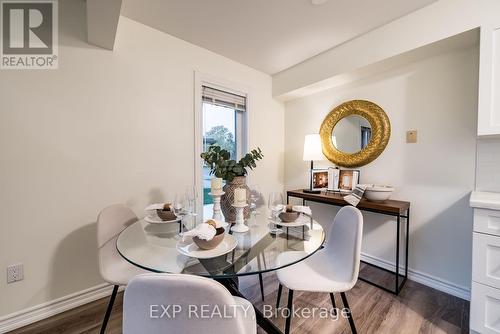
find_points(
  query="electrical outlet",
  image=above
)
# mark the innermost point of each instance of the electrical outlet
(15, 272)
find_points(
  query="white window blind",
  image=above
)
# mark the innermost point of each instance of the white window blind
(223, 99)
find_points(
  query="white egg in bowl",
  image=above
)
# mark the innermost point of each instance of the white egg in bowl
(378, 193)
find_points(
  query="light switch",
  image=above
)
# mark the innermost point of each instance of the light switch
(411, 136)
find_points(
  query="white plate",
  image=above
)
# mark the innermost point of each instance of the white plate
(157, 220)
(302, 220)
(190, 249)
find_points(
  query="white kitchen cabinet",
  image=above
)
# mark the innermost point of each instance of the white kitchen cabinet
(489, 82)
(485, 309)
(487, 221)
(486, 250)
(485, 292)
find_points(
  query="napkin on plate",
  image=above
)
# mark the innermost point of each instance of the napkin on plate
(301, 208)
(219, 223)
(202, 231)
(156, 206)
(297, 208)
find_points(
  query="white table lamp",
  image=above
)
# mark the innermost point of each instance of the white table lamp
(312, 152)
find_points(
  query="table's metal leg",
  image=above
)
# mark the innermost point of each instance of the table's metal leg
(287, 199)
(303, 232)
(262, 321)
(398, 229)
(407, 240)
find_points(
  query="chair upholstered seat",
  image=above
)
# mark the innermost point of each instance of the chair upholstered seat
(114, 268)
(333, 269)
(321, 275)
(189, 294)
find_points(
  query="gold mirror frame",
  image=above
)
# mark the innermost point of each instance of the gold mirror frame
(381, 131)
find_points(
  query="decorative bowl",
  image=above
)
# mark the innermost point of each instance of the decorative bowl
(210, 244)
(166, 215)
(289, 217)
(378, 193)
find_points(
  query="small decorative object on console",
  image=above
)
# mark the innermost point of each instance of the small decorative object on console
(378, 193)
(356, 195)
(333, 179)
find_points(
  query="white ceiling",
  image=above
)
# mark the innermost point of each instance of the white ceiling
(269, 35)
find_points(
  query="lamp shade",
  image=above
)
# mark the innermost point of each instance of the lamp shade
(312, 148)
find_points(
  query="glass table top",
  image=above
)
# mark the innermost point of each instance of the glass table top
(154, 247)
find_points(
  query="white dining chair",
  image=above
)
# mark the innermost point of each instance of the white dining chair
(333, 269)
(174, 303)
(113, 267)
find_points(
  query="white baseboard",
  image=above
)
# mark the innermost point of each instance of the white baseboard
(43, 311)
(422, 278)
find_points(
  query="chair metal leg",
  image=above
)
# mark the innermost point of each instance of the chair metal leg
(333, 304)
(261, 287)
(110, 307)
(349, 314)
(290, 311)
(280, 288)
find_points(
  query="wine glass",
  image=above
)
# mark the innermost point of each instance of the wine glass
(275, 205)
(254, 198)
(179, 208)
(191, 203)
(191, 197)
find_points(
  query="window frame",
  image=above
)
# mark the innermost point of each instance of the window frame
(241, 119)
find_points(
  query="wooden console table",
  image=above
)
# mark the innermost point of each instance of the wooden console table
(398, 209)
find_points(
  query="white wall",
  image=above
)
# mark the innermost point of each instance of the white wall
(106, 127)
(438, 97)
(438, 21)
(488, 162)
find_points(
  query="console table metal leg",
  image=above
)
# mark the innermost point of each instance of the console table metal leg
(399, 281)
(407, 241)
(398, 231)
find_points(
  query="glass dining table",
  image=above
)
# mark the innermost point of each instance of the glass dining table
(154, 247)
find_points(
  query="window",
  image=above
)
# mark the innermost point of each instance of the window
(366, 135)
(223, 125)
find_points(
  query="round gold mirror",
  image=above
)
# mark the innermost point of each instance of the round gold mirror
(355, 133)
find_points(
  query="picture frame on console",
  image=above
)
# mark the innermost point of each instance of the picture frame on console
(319, 179)
(348, 180)
(342, 180)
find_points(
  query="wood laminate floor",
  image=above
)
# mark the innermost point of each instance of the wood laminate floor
(418, 309)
